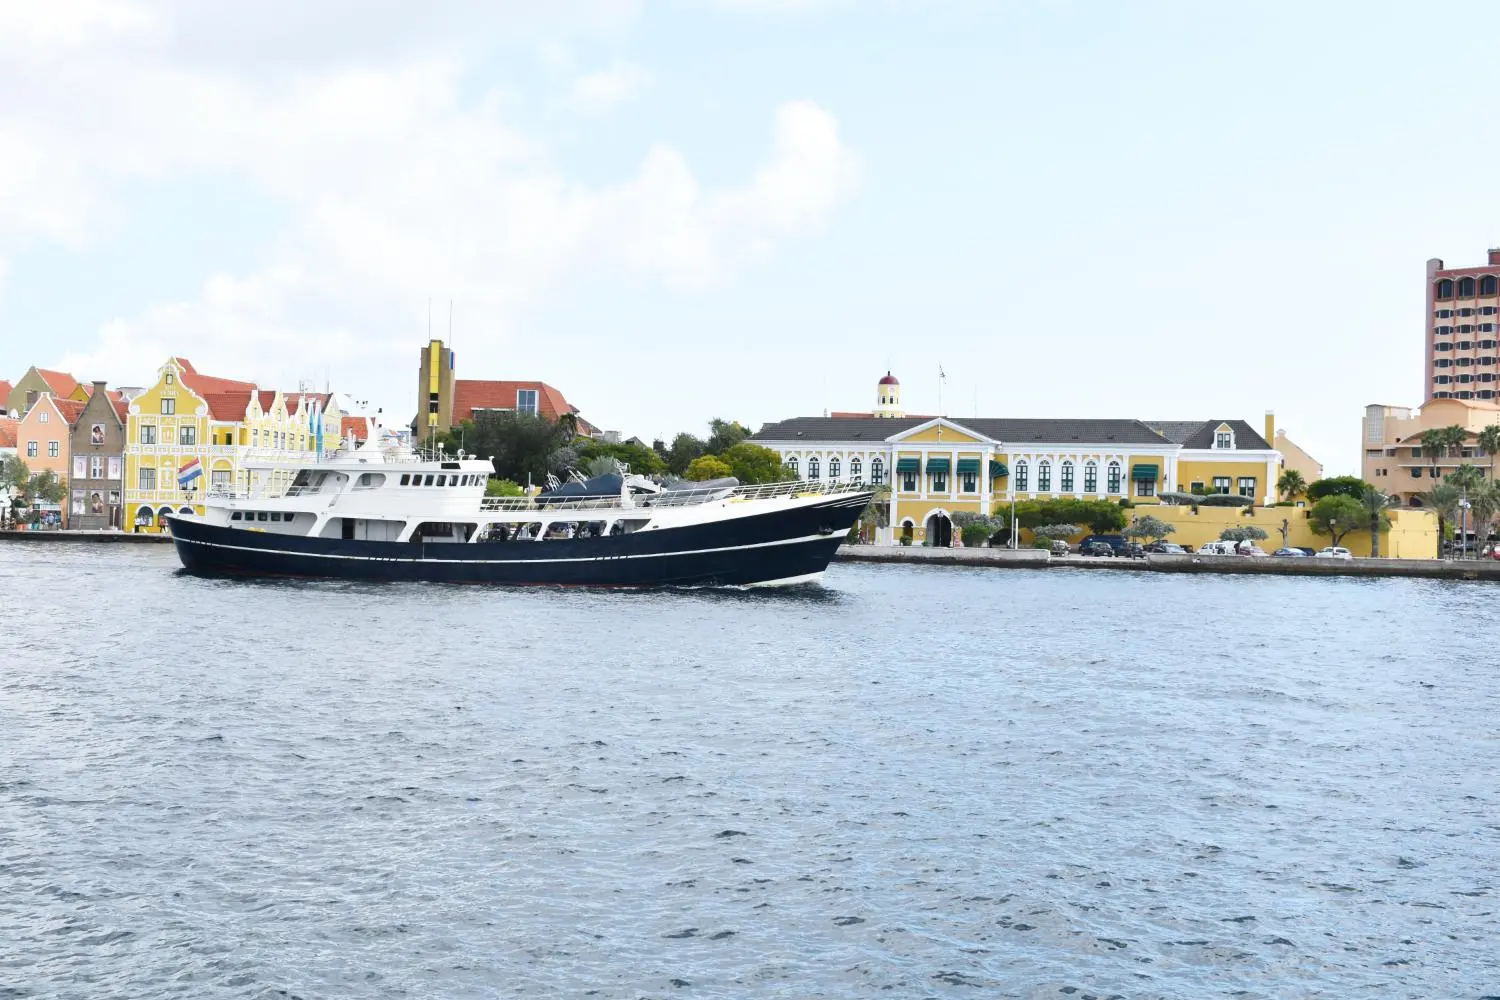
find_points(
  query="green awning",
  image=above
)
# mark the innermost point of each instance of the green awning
(998, 470)
(908, 465)
(937, 465)
(1143, 473)
(968, 466)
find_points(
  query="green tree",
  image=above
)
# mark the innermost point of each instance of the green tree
(724, 434)
(503, 488)
(684, 449)
(753, 463)
(1444, 500)
(1149, 528)
(1484, 504)
(1439, 443)
(1489, 444)
(1346, 486)
(1243, 533)
(641, 460)
(524, 447)
(1466, 476)
(1056, 532)
(708, 467)
(1375, 504)
(877, 513)
(15, 477)
(1336, 516)
(1291, 485)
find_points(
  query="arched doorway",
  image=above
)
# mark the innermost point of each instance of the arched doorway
(939, 530)
(908, 526)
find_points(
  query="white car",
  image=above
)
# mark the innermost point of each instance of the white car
(1215, 549)
(1335, 552)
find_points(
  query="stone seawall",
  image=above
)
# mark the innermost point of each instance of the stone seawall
(1439, 569)
(82, 536)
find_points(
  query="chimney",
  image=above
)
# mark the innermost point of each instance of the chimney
(100, 386)
(1271, 428)
(1494, 255)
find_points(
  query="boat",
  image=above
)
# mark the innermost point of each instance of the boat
(392, 513)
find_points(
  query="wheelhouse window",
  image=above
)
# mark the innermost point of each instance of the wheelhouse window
(1112, 472)
(1090, 477)
(855, 469)
(1247, 486)
(1044, 476)
(1221, 484)
(877, 471)
(1021, 474)
(833, 468)
(526, 401)
(1067, 477)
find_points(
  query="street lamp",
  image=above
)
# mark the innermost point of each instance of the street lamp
(1463, 506)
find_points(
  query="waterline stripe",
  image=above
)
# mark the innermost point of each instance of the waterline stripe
(500, 562)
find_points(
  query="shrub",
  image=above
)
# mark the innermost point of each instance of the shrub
(975, 535)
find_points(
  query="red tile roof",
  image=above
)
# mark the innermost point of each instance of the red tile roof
(113, 394)
(360, 427)
(122, 407)
(472, 394)
(228, 406)
(5, 390)
(71, 409)
(8, 429)
(61, 383)
(205, 384)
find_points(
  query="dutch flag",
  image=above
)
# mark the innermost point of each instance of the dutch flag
(188, 473)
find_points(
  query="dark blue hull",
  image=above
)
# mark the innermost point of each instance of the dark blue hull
(761, 548)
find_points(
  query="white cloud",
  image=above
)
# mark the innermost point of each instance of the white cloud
(400, 184)
(594, 93)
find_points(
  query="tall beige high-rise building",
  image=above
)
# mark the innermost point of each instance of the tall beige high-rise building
(1463, 308)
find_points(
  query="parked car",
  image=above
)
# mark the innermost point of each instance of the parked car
(1252, 550)
(1131, 550)
(1060, 547)
(1113, 541)
(1290, 553)
(1335, 552)
(1307, 551)
(1216, 549)
(1166, 548)
(1096, 548)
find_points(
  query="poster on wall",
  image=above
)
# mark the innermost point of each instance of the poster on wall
(96, 502)
(78, 502)
(80, 467)
(96, 434)
(114, 498)
(114, 469)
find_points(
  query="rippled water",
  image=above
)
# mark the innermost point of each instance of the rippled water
(915, 782)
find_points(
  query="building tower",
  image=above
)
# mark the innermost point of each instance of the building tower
(434, 392)
(1463, 342)
(888, 397)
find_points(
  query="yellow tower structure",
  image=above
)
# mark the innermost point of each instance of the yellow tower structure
(888, 397)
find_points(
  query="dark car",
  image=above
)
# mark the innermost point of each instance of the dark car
(1166, 548)
(1131, 550)
(1113, 541)
(1096, 548)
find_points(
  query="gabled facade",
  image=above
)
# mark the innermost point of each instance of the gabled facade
(44, 439)
(95, 486)
(189, 433)
(39, 382)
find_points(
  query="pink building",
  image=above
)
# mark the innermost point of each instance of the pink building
(1463, 310)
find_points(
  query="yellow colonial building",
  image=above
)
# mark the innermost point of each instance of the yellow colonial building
(938, 466)
(189, 434)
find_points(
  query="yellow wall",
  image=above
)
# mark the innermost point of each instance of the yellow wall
(1189, 473)
(1413, 533)
(949, 436)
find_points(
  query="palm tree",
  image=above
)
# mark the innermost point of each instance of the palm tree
(1444, 499)
(1484, 504)
(877, 513)
(1489, 444)
(1291, 484)
(1466, 477)
(1375, 504)
(1440, 442)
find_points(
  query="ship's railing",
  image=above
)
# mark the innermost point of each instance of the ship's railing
(680, 498)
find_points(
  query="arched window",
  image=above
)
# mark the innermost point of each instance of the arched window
(791, 465)
(145, 517)
(1090, 477)
(1044, 476)
(1487, 285)
(854, 469)
(1445, 289)
(1113, 470)
(1466, 288)
(834, 468)
(812, 467)
(1067, 477)
(877, 471)
(1020, 475)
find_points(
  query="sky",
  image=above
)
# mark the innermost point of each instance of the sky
(751, 209)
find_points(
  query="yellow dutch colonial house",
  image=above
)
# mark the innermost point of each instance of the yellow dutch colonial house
(189, 434)
(939, 466)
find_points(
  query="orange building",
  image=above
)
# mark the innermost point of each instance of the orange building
(44, 437)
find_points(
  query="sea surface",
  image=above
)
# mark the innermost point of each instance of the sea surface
(913, 782)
